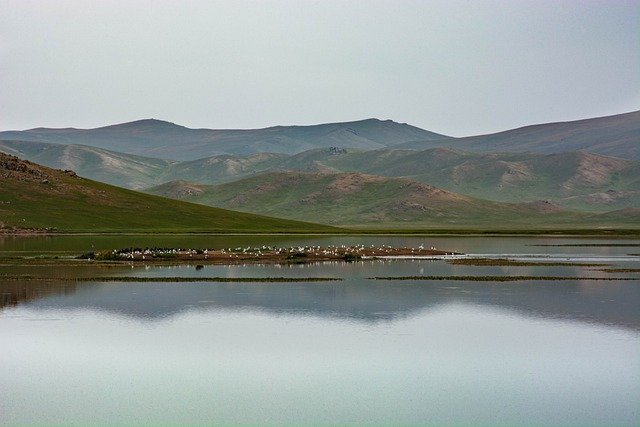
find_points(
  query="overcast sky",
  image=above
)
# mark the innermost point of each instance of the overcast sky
(454, 67)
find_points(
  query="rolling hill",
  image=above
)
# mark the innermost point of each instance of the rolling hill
(222, 168)
(355, 199)
(33, 196)
(617, 135)
(577, 180)
(169, 141)
(138, 172)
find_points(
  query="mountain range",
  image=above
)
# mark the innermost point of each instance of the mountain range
(380, 171)
(615, 135)
(167, 140)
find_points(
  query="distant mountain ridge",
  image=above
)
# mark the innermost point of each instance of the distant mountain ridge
(165, 140)
(617, 135)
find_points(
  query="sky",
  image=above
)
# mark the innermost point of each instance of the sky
(453, 67)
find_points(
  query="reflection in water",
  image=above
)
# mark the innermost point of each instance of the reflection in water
(455, 364)
(361, 299)
(358, 351)
(13, 293)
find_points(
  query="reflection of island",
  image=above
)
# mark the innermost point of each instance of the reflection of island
(363, 300)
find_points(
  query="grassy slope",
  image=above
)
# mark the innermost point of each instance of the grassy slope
(39, 197)
(372, 201)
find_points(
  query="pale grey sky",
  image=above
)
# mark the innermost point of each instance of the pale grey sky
(454, 67)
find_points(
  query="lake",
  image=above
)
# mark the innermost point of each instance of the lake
(363, 351)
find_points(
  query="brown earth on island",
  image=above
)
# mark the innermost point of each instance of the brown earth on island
(265, 254)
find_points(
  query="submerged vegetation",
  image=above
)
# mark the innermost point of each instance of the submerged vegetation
(502, 262)
(498, 278)
(587, 245)
(621, 270)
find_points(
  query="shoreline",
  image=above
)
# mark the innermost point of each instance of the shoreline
(628, 233)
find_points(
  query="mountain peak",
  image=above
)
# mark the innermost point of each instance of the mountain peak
(146, 124)
(375, 120)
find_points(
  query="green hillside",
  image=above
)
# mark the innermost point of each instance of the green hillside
(33, 196)
(355, 200)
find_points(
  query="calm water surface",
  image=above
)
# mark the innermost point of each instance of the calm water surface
(356, 351)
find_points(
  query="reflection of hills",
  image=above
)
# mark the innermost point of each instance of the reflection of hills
(368, 301)
(14, 293)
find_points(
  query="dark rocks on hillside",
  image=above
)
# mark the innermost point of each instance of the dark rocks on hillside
(337, 150)
(22, 170)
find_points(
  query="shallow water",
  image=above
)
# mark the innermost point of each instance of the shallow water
(358, 350)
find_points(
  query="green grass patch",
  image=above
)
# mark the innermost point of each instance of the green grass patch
(174, 279)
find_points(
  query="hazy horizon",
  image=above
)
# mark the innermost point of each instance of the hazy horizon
(452, 67)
